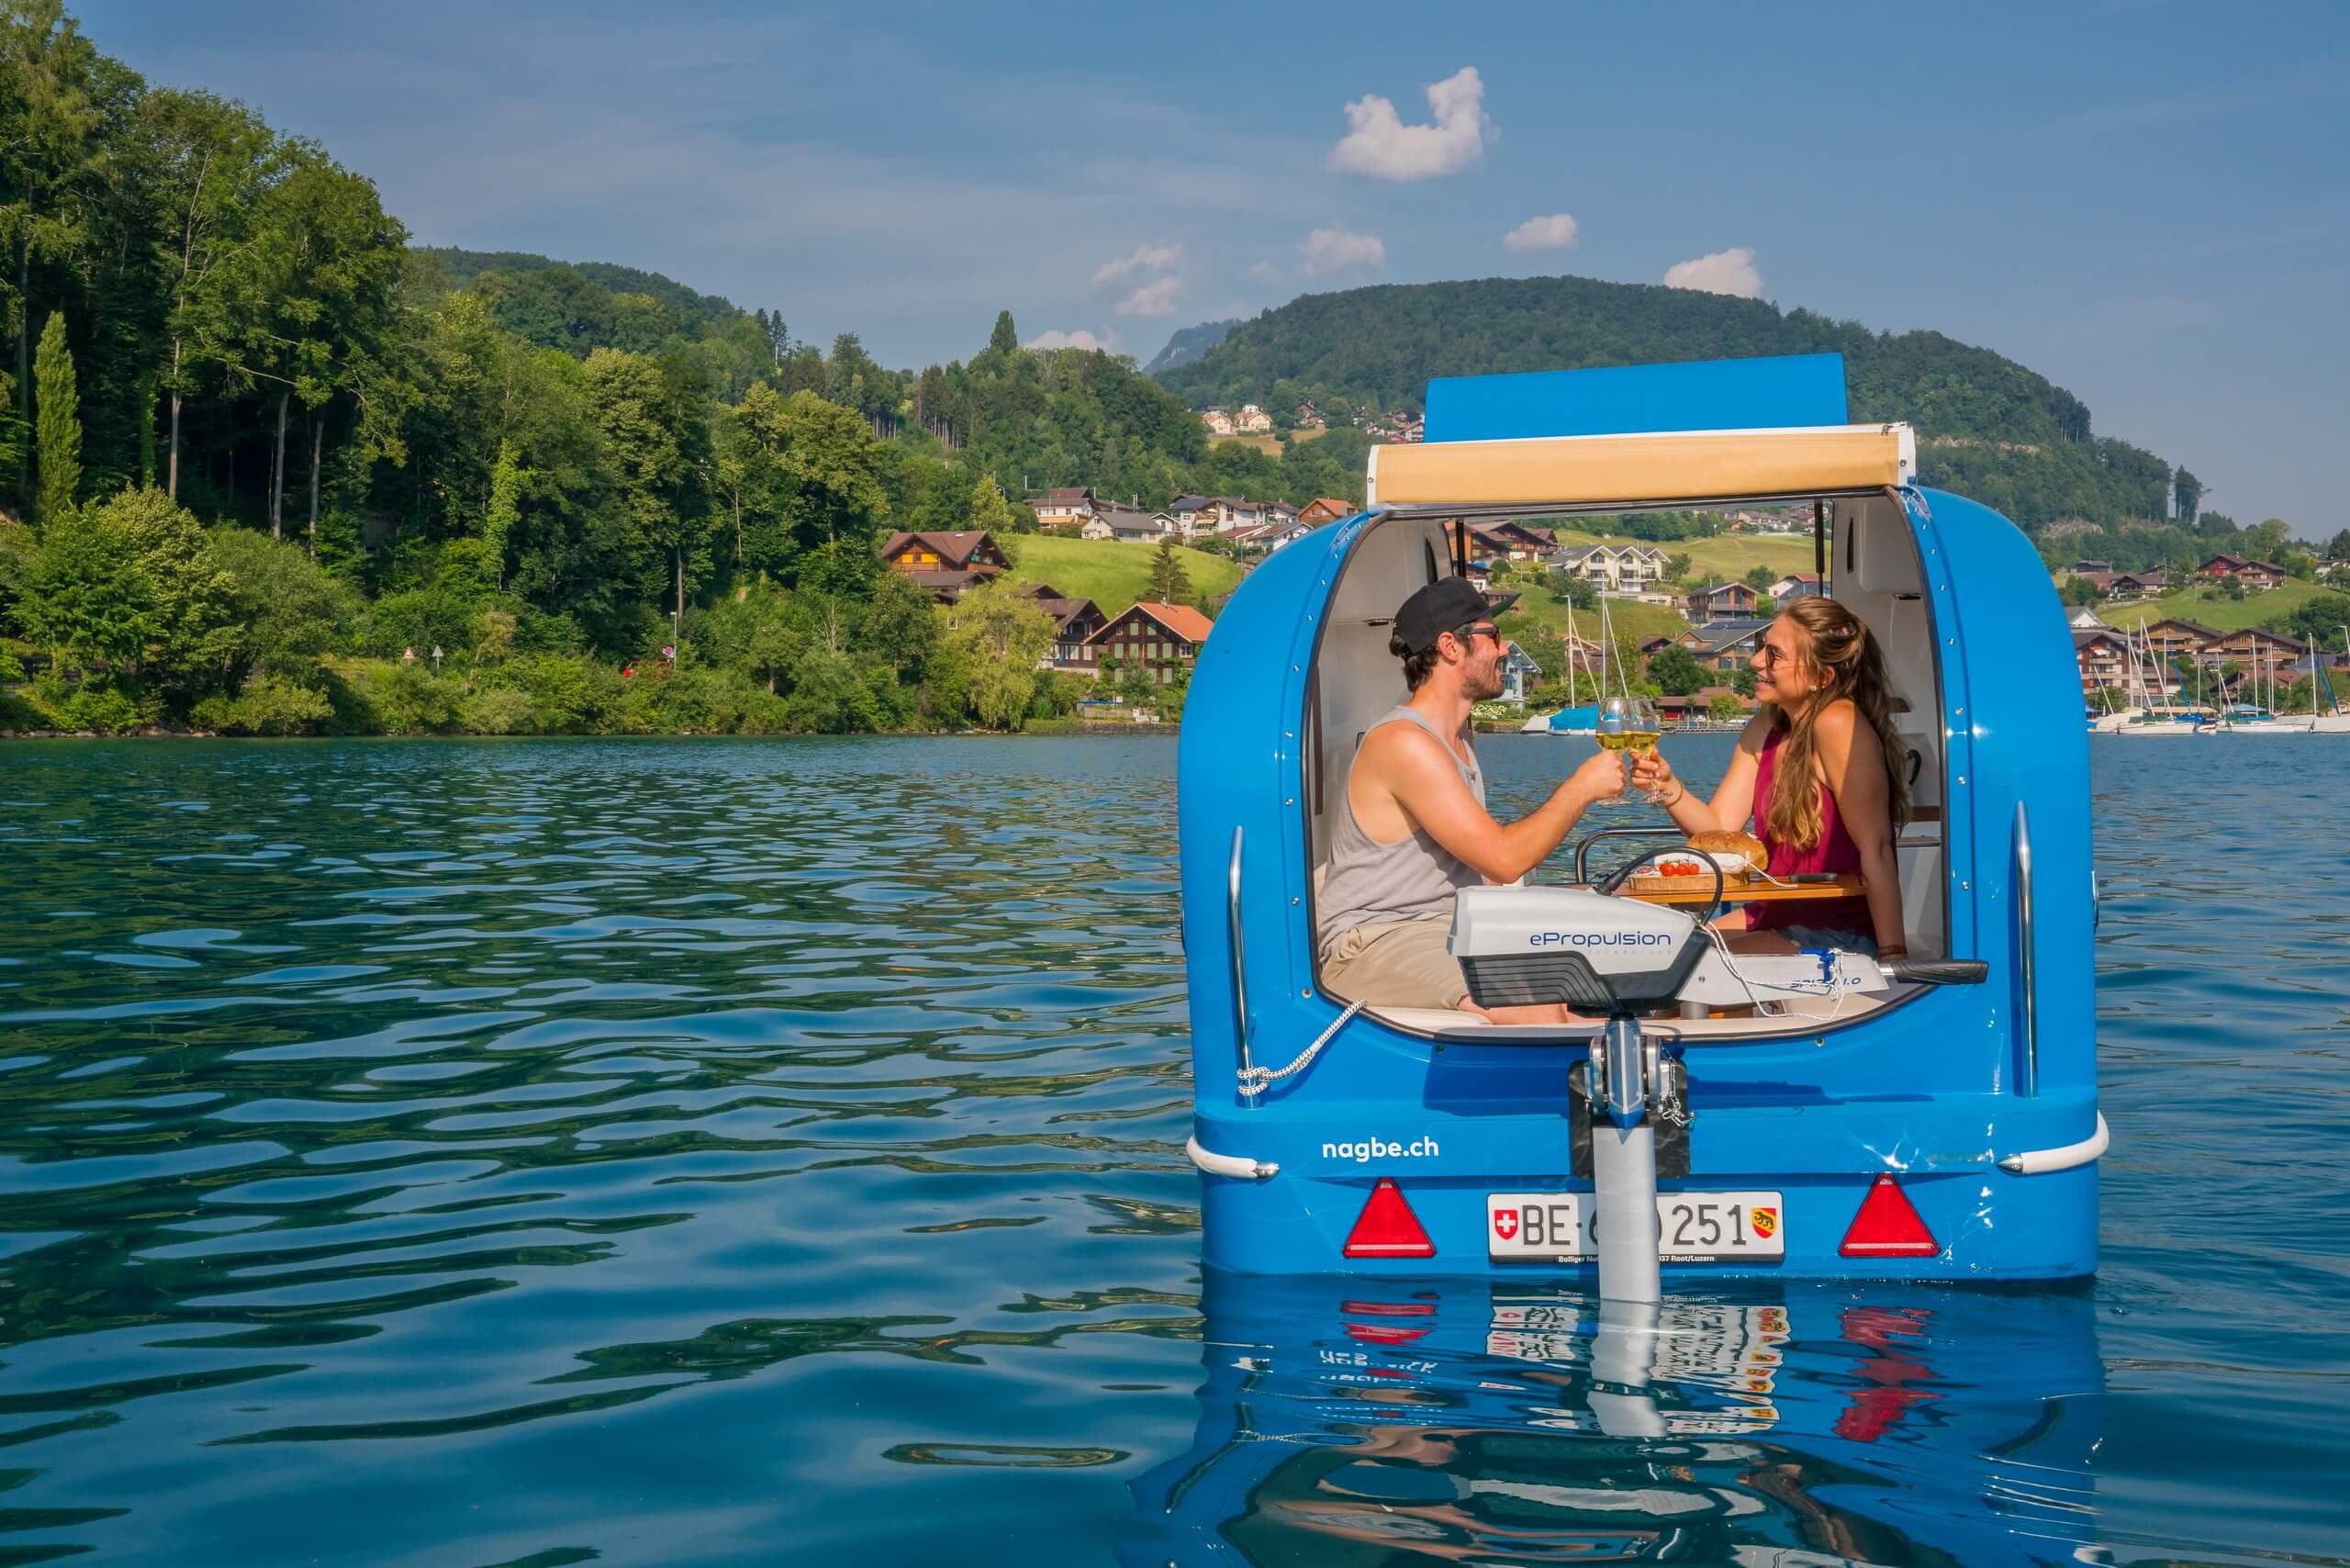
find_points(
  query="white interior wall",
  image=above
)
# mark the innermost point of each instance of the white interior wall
(1357, 679)
(1877, 573)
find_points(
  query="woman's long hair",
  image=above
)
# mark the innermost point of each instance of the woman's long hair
(1833, 643)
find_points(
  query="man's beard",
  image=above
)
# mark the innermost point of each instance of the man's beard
(1489, 687)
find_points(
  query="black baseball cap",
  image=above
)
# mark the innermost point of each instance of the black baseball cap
(1445, 605)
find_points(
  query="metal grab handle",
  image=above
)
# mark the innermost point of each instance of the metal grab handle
(1240, 964)
(2029, 1083)
(1653, 830)
(1937, 971)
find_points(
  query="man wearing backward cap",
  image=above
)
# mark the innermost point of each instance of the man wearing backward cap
(1413, 829)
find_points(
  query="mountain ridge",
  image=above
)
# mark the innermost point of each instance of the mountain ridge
(1189, 344)
(1988, 425)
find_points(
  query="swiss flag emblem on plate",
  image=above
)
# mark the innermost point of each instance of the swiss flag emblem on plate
(1505, 1223)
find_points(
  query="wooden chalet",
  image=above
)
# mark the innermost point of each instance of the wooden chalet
(2175, 638)
(946, 564)
(1160, 638)
(2252, 574)
(1326, 509)
(1070, 507)
(1075, 622)
(2261, 653)
(1723, 601)
(1503, 541)
(2103, 655)
(2126, 585)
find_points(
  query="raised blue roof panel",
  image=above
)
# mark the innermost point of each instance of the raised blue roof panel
(1705, 394)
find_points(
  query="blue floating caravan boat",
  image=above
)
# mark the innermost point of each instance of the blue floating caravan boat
(1937, 1120)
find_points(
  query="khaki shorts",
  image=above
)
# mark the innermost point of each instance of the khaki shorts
(1398, 964)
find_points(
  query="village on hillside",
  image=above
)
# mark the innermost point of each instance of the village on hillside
(1697, 669)
(1696, 632)
(2144, 661)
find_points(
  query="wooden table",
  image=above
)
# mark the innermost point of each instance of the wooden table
(1700, 890)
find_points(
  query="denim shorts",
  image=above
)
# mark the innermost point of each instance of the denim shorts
(1828, 936)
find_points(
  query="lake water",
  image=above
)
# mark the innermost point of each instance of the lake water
(539, 1152)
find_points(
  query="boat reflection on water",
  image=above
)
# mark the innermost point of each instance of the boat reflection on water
(1358, 1422)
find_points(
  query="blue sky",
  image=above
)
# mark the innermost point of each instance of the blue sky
(2146, 201)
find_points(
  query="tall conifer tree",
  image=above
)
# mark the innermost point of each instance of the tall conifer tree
(58, 425)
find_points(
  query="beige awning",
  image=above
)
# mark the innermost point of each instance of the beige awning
(1630, 470)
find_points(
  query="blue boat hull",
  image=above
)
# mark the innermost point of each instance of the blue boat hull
(1936, 1089)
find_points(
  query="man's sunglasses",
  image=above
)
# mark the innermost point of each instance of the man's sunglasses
(1469, 634)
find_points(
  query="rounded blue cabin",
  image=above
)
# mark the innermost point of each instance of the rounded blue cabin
(1917, 1131)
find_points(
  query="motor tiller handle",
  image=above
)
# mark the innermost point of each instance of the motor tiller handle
(1936, 971)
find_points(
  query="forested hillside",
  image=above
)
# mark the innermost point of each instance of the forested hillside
(267, 468)
(1988, 427)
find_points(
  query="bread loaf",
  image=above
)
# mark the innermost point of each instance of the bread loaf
(1744, 843)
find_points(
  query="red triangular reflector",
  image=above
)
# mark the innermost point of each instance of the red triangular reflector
(1887, 1225)
(1387, 1228)
(1382, 1333)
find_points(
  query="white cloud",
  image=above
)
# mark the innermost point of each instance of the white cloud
(1146, 260)
(1264, 272)
(1556, 232)
(1335, 250)
(1080, 339)
(1383, 146)
(1152, 299)
(1724, 271)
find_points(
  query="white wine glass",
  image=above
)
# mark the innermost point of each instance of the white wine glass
(1614, 728)
(1643, 725)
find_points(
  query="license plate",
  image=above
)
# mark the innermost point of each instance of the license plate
(1694, 1227)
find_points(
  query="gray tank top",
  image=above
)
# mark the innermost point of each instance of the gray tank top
(1372, 883)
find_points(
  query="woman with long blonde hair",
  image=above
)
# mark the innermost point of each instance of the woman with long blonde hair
(1815, 770)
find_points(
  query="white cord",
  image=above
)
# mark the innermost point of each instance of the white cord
(1840, 994)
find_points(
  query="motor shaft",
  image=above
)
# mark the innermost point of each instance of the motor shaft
(1623, 1166)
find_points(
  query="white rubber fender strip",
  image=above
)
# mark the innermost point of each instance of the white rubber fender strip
(1228, 1164)
(2039, 1161)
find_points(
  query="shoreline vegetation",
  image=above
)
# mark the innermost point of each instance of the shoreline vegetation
(265, 451)
(267, 469)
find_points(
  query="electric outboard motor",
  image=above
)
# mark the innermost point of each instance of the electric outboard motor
(1526, 947)
(1530, 946)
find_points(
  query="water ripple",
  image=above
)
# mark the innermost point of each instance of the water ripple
(732, 1152)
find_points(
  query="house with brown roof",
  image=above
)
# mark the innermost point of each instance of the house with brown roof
(1066, 507)
(2263, 654)
(1503, 541)
(1160, 638)
(945, 563)
(1272, 536)
(1075, 622)
(1326, 509)
(1723, 601)
(2252, 574)
(2124, 584)
(2103, 655)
